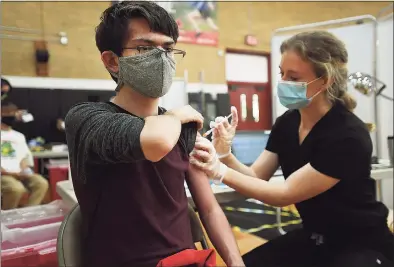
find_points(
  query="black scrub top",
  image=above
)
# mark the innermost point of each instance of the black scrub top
(340, 146)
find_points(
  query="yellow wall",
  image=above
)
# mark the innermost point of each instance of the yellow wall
(81, 59)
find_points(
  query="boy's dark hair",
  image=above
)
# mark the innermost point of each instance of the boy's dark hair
(113, 30)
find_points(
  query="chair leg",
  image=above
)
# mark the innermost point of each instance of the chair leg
(204, 243)
(279, 221)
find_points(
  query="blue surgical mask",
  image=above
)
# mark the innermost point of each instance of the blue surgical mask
(292, 95)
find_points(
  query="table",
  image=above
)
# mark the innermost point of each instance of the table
(56, 172)
(46, 154)
(224, 193)
(383, 174)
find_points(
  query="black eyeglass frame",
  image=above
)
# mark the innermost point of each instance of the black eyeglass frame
(164, 50)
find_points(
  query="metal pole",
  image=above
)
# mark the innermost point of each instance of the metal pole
(385, 9)
(375, 98)
(386, 17)
(28, 38)
(273, 78)
(380, 16)
(279, 221)
(16, 29)
(203, 104)
(186, 80)
(323, 24)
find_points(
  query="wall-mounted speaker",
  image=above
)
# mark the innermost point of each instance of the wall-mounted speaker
(42, 58)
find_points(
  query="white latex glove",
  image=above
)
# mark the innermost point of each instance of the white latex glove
(204, 157)
(224, 132)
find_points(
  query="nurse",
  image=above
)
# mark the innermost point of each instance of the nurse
(324, 151)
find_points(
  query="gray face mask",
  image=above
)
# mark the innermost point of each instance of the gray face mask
(150, 73)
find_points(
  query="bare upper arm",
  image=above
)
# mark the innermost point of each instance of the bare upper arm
(200, 190)
(306, 183)
(266, 165)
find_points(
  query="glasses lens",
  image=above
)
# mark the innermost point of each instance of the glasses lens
(144, 49)
(177, 56)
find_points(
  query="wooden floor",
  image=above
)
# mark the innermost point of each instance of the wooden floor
(246, 242)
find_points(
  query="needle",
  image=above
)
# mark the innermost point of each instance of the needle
(210, 131)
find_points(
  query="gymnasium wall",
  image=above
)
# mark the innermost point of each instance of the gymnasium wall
(80, 58)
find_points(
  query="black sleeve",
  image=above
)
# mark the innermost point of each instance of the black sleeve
(274, 138)
(188, 136)
(344, 158)
(97, 135)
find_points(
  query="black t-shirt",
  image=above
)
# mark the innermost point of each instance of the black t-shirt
(340, 146)
(135, 212)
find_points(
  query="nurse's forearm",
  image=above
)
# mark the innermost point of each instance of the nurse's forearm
(271, 193)
(232, 162)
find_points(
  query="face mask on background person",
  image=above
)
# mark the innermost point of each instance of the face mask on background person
(293, 95)
(23, 117)
(9, 120)
(150, 73)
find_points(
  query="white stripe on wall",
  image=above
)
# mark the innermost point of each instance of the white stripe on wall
(60, 83)
(96, 84)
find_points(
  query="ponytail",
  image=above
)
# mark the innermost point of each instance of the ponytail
(348, 101)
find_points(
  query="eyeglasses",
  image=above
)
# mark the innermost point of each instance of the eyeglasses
(176, 54)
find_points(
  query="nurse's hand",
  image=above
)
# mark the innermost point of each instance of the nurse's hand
(204, 157)
(224, 132)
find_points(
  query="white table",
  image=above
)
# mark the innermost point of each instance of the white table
(47, 154)
(383, 174)
(225, 194)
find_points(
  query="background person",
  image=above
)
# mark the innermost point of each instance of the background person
(5, 89)
(324, 151)
(203, 10)
(17, 177)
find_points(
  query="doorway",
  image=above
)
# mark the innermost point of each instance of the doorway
(248, 78)
(253, 102)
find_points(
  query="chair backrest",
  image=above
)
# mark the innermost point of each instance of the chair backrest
(70, 232)
(197, 231)
(69, 239)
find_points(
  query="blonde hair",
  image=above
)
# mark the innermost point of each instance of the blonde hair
(329, 57)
